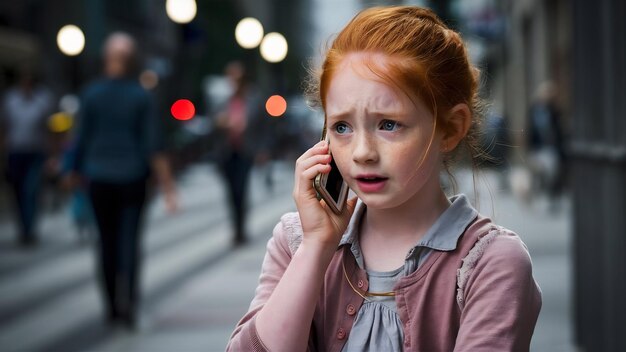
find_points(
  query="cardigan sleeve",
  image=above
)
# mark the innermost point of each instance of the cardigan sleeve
(277, 258)
(501, 300)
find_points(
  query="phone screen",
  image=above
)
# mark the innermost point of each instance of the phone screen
(334, 182)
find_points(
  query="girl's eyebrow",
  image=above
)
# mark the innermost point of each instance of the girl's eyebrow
(346, 114)
(338, 116)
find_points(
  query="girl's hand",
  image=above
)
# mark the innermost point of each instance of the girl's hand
(319, 224)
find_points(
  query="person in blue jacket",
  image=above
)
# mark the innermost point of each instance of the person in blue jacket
(118, 147)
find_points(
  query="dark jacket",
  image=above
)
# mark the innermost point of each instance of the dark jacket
(118, 132)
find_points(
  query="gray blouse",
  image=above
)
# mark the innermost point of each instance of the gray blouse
(377, 326)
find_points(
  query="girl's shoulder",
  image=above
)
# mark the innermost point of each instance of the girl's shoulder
(483, 232)
(495, 250)
(491, 240)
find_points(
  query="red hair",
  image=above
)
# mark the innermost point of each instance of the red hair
(429, 60)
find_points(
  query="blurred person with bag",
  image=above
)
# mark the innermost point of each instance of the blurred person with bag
(118, 144)
(26, 109)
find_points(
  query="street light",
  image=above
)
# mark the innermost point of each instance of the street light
(274, 47)
(249, 33)
(71, 40)
(181, 11)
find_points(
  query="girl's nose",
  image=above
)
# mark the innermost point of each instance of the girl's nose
(365, 150)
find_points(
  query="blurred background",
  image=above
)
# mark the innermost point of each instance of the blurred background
(553, 73)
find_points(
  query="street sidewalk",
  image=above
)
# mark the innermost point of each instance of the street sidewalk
(203, 312)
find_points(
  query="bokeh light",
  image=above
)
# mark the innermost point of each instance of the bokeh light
(274, 47)
(71, 40)
(276, 105)
(183, 109)
(60, 122)
(181, 11)
(148, 79)
(249, 33)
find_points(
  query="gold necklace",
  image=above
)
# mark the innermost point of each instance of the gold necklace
(364, 294)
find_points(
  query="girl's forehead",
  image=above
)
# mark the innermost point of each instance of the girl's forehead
(355, 84)
(363, 82)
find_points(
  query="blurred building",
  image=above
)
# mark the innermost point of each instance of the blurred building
(41, 21)
(518, 45)
(177, 57)
(598, 152)
(579, 45)
(536, 49)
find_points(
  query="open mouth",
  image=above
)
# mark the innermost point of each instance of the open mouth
(371, 179)
(371, 183)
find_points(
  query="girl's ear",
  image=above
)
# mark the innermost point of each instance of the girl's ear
(458, 122)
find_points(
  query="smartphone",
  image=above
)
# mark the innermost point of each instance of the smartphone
(331, 187)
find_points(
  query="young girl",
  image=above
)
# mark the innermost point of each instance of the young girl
(403, 267)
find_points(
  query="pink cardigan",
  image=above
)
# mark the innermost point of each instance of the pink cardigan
(479, 297)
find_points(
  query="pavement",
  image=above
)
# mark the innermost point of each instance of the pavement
(196, 287)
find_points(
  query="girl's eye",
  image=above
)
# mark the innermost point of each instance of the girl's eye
(389, 125)
(341, 128)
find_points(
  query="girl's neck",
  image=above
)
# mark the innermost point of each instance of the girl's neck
(387, 235)
(409, 221)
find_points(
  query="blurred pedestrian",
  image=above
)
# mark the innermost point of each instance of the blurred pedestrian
(546, 143)
(26, 109)
(244, 141)
(118, 142)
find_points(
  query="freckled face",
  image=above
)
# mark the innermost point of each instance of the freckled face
(379, 138)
